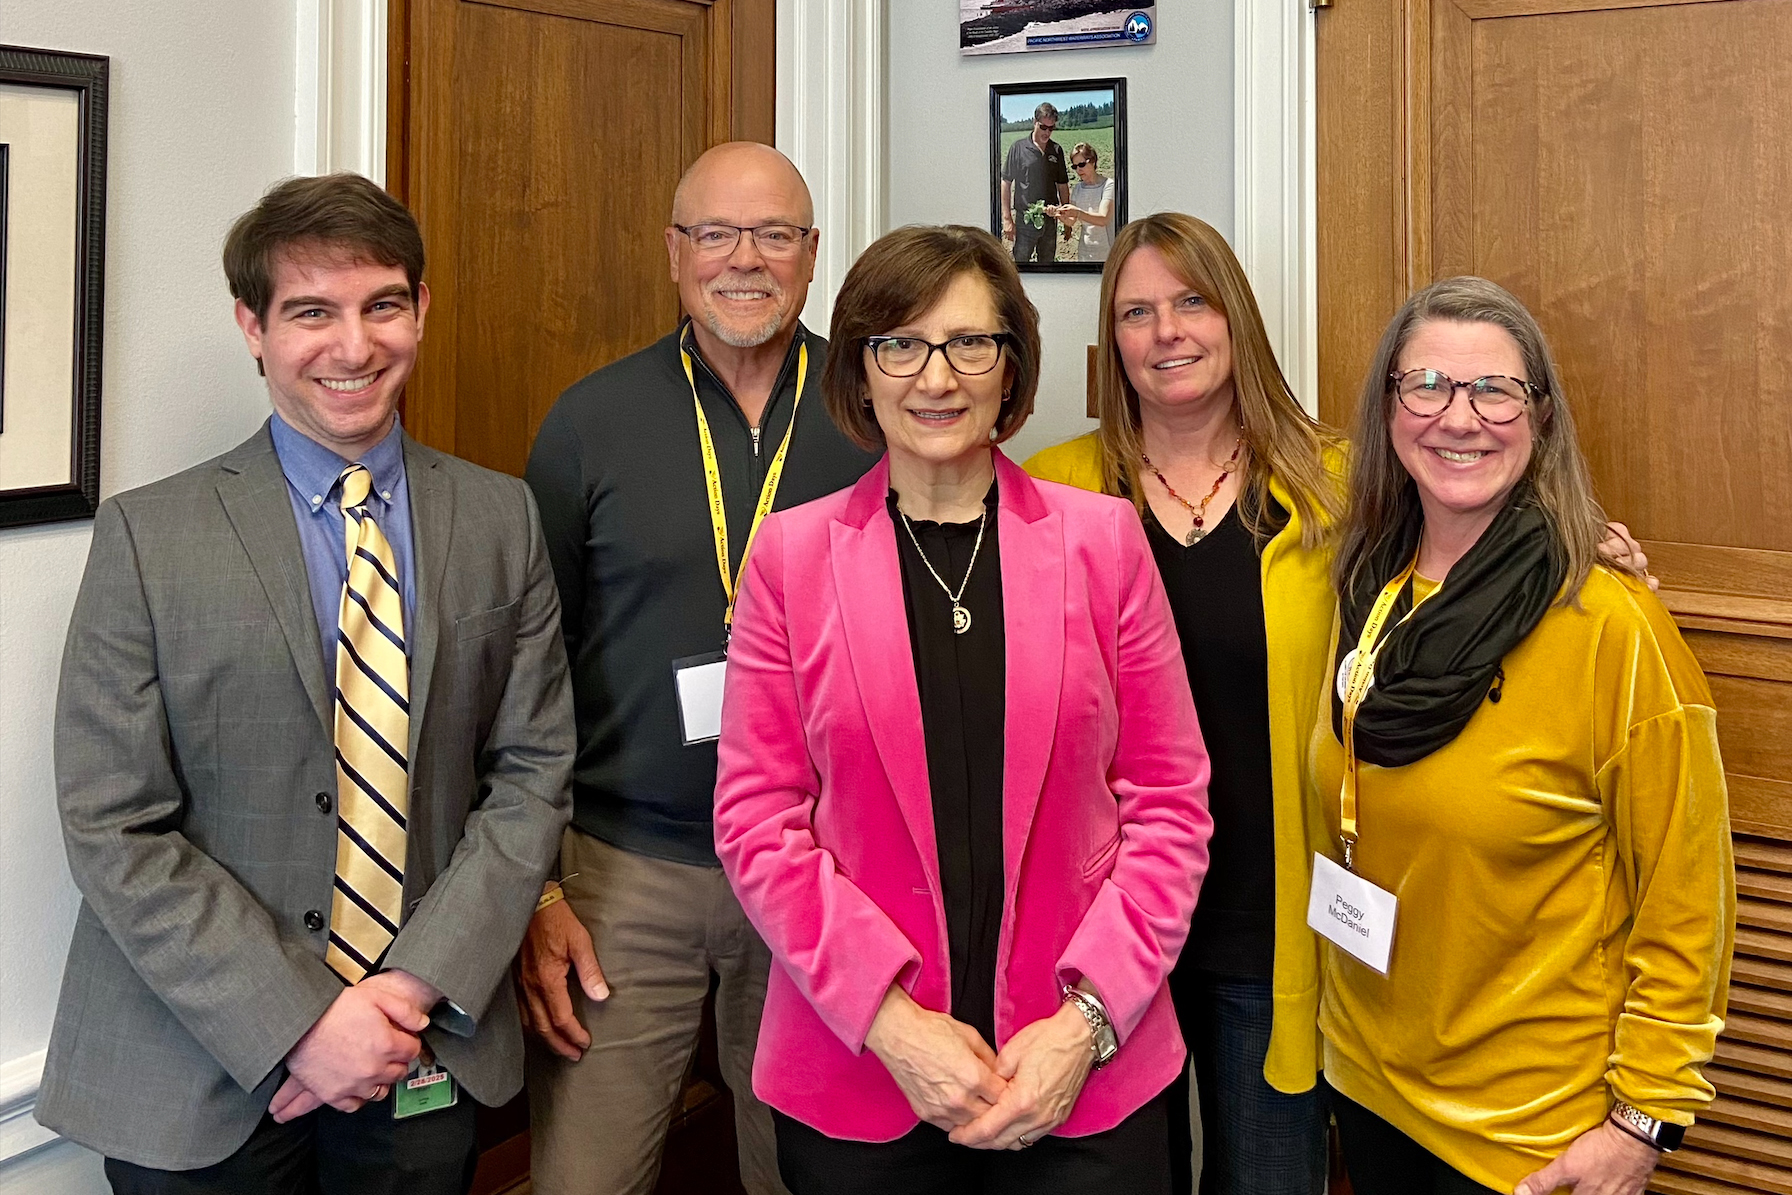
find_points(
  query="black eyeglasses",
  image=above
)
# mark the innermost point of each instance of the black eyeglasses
(1083, 163)
(906, 356)
(719, 240)
(1495, 398)
(1050, 128)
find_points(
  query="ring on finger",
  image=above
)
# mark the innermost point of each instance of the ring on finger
(1024, 1143)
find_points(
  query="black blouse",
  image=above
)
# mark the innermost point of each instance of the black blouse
(1215, 587)
(961, 680)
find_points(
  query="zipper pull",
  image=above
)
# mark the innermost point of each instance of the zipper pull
(755, 441)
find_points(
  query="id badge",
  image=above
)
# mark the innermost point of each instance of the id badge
(428, 1088)
(1352, 913)
(699, 683)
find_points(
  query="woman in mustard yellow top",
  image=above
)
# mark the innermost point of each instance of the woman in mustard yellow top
(1237, 488)
(1536, 785)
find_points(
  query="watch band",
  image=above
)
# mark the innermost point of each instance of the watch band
(1661, 1134)
(1103, 1043)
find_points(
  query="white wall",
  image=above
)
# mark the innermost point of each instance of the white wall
(201, 122)
(1179, 136)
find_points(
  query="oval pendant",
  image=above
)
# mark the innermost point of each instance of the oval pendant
(961, 619)
(1194, 533)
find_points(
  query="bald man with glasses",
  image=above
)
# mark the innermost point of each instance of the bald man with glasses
(649, 474)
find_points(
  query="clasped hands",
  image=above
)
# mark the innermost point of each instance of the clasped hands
(985, 1100)
(365, 1042)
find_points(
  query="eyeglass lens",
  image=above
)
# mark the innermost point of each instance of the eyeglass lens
(1427, 393)
(906, 356)
(772, 240)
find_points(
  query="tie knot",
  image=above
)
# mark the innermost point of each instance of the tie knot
(357, 486)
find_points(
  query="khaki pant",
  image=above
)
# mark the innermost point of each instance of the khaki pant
(660, 929)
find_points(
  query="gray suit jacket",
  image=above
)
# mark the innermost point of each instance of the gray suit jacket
(193, 741)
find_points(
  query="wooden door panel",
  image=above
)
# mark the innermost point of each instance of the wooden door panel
(540, 144)
(1566, 148)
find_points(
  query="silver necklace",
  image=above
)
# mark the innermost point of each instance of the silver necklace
(961, 618)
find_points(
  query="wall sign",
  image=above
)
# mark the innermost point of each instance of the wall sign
(1017, 26)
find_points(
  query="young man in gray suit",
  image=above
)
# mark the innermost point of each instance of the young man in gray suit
(313, 746)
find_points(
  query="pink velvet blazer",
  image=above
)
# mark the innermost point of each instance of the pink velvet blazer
(824, 820)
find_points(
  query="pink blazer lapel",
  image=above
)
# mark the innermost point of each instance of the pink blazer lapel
(1033, 610)
(868, 584)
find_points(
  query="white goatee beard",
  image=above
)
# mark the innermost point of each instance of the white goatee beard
(744, 338)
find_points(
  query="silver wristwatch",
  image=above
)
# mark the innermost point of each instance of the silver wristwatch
(1102, 1042)
(1662, 1134)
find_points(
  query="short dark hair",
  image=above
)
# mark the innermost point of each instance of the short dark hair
(1044, 110)
(902, 275)
(329, 213)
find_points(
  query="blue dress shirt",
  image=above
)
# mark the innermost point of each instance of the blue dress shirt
(313, 475)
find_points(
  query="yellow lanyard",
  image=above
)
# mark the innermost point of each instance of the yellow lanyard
(712, 476)
(1356, 688)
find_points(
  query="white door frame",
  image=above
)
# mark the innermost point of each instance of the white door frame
(1275, 146)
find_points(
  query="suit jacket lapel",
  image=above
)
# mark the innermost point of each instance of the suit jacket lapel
(432, 525)
(253, 491)
(1033, 609)
(868, 582)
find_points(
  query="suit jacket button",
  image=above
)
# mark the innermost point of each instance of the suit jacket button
(323, 802)
(314, 920)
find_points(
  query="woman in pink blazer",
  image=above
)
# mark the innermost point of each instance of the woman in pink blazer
(962, 790)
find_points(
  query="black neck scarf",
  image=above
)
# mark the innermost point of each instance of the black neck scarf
(1435, 668)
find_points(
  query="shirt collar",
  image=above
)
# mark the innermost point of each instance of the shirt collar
(688, 341)
(313, 470)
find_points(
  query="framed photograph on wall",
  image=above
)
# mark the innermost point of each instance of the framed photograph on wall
(1017, 26)
(52, 273)
(1057, 171)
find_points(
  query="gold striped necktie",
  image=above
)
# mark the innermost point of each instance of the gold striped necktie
(373, 718)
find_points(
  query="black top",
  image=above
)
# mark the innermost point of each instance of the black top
(1215, 589)
(618, 474)
(1035, 173)
(963, 704)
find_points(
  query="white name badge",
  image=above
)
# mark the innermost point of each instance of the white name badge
(699, 681)
(1351, 912)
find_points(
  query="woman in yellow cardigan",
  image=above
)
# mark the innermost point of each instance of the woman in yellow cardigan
(1533, 787)
(1238, 489)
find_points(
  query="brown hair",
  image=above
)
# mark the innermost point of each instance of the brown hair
(1083, 147)
(330, 213)
(1383, 496)
(902, 275)
(1284, 441)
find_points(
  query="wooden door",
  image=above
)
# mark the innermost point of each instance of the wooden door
(539, 143)
(1623, 167)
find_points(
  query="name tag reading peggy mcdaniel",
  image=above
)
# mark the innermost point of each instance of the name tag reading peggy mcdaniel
(1352, 913)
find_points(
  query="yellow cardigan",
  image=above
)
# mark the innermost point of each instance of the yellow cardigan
(1297, 616)
(1567, 899)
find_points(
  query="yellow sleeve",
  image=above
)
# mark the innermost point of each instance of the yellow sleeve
(1075, 462)
(1663, 788)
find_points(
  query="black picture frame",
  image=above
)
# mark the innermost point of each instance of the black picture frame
(1029, 95)
(87, 76)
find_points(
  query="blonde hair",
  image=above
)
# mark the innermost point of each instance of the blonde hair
(1384, 497)
(1284, 441)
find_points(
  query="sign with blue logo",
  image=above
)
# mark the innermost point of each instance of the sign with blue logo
(1019, 26)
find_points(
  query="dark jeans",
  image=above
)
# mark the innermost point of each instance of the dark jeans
(331, 1153)
(1035, 244)
(1127, 1158)
(1255, 1140)
(1384, 1161)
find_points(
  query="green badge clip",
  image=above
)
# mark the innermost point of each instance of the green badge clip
(428, 1088)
